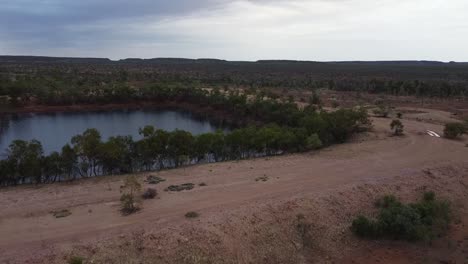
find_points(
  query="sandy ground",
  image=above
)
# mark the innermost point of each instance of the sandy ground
(247, 221)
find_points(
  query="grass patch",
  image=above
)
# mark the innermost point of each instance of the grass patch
(61, 214)
(263, 178)
(152, 179)
(423, 220)
(76, 260)
(192, 215)
(179, 188)
(303, 229)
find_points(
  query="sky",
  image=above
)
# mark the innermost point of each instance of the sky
(318, 30)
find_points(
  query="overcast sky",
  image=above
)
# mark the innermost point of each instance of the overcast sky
(321, 30)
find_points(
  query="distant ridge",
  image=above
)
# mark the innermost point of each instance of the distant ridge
(46, 59)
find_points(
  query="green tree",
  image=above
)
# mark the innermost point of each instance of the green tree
(86, 146)
(115, 155)
(69, 161)
(180, 146)
(26, 160)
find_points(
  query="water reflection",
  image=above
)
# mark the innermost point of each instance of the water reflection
(55, 130)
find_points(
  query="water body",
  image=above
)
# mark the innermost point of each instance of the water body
(56, 130)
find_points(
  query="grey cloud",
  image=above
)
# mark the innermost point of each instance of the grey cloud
(35, 24)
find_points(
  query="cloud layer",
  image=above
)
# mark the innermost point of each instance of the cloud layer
(238, 29)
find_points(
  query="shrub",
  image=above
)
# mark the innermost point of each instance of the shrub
(149, 193)
(364, 227)
(418, 221)
(399, 115)
(382, 111)
(179, 188)
(76, 260)
(191, 215)
(314, 142)
(129, 202)
(397, 127)
(61, 213)
(454, 130)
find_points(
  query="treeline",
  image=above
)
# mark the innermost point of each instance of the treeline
(281, 127)
(65, 83)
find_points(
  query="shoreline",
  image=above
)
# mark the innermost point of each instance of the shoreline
(198, 110)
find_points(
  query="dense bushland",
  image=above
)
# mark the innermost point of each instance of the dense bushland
(278, 128)
(423, 220)
(62, 82)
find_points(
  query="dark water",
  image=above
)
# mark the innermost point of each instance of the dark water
(56, 130)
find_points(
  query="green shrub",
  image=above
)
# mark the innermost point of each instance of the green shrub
(129, 202)
(418, 221)
(454, 130)
(397, 127)
(314, 142)
(363, 227)
(191, 215)
(76, 260)
(61, 213)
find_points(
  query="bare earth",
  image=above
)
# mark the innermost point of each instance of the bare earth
(247, 221)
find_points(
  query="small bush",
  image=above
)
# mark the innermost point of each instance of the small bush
(149, 193)
(179, 188)
(128, 204)
(364, 227)
(128, 201)
(191, 215)
(76, 260)
(151, 179)
(418, 221)
(313, 142)
(61, 213)
(454, 130)
(202, 184)
(399, 115)
(397, 127)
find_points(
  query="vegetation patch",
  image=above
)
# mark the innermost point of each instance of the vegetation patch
(152, 179)
(263, 178)
(397, 127)
(192, 215)
(129, 201)
(61, 214)
(423, 220)
(76, 260)
(202, 184)
(455, 130)
(303, 229)
(179, 188)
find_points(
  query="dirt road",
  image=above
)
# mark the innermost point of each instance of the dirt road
(27, 228)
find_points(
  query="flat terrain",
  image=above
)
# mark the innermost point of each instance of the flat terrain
(247, 221)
